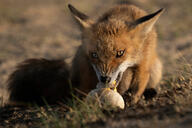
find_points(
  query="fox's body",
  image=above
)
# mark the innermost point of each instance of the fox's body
(120, 46)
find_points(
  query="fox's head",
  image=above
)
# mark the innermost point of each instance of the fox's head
(115, 41)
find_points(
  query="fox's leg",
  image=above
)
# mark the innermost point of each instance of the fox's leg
(155, 74)
(125, 81)
(142, 78)
(147, 78)
(155, 77)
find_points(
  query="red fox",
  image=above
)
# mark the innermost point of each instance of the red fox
(119, 46)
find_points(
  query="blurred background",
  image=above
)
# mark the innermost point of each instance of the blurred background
(45, 29)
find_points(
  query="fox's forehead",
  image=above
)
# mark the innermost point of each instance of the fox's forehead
(110, 36)
(109, 29)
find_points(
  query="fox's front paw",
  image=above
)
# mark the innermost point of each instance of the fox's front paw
(135, 99)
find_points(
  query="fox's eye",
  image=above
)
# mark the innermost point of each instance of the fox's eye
(94, 55)
(120, 53)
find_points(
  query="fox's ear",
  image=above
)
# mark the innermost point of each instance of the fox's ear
(82, 19)
(148, 21)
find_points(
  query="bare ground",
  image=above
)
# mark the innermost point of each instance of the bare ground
(44, 28)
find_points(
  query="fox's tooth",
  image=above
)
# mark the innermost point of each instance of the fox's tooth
(114, 82)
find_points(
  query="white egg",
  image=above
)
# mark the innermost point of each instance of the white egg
(107, 97)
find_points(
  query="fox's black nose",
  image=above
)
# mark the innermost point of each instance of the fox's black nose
(105, 79)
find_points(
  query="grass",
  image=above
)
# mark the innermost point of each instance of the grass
(78, 114)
